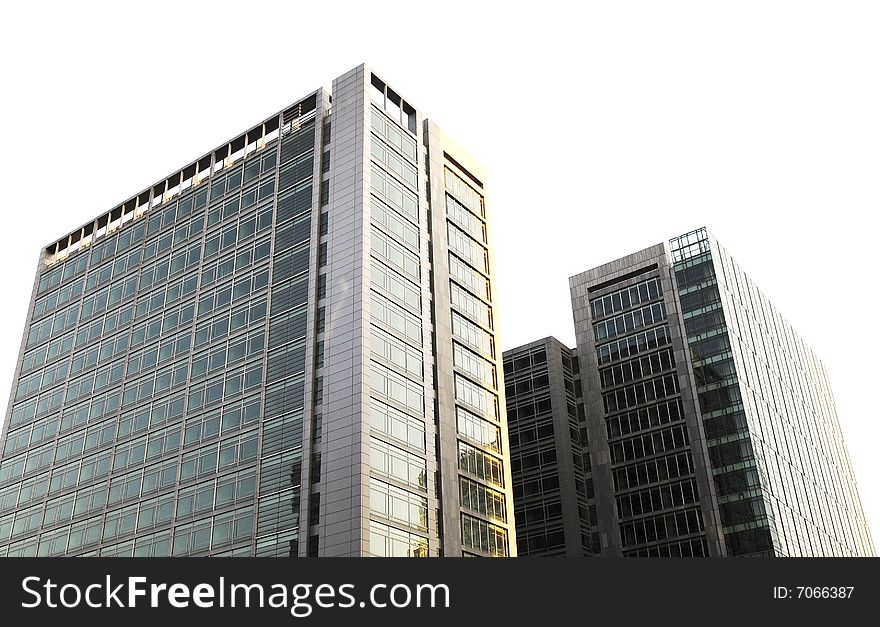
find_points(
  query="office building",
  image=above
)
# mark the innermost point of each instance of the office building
(711, 423)
(285, 348)
(549, 458)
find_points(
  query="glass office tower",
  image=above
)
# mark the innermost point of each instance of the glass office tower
(712, 426)
(285, 348)
(549, 456)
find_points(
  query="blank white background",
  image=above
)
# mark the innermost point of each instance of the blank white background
(606, 127)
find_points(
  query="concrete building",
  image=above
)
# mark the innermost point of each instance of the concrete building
(286, 347)
(711, 424)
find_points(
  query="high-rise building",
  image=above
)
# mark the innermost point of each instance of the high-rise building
(549, 458)
(711, 423)
(285, 348)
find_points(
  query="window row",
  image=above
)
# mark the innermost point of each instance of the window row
(81, 471)
(463, 192)
(237, 262)
(537, 486)
(635, 369)
(389, 219)
(235, 381)
(479, 368)
(630, 321)
(212, 533)
(85, 440)
(164, 269)
(698, 299)
(469, 393)
(395, 317)
(543, 457)
(56, 324)
(658, 498)
(642, 392)
(465, 219)
(31, 384)
(228, 322)
(216, 532)
(653, 471)
(478, 429)
(634, 344)
(151, 446)
(470, 278)
(152, 384)
(257, 192)
(398, 464)
(387, 541)
(395, 285)
(222, 421)
(404, 200)
(483, 536)
(385, 346)
(644, 418)
(709, 347)
(391, 133)
(720, 398)
(626, 298)
(398, 504)
(534, 382)
(694, 274)
(395, 423)
(62, 296)
(480, 464)
(469, 304)
(243, 286)
(68, 270)
(477, 497)
(472, 335)
(541, 541)
(395, 255)
(173, 347)
(228, 237)
(526, 361)
(659, 528)
(395, 163)
(19, 495)
(712, 320)
(639, 447)
(226, 353)
(216, 493)
(165, 295)
(467, 248)
(37, 357)
(715, 372)
(394, 386)
(524, 434)
(695, 547)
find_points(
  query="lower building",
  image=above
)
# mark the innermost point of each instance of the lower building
(552, 482)
(692, 420)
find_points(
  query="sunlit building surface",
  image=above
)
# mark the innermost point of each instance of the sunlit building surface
(285, 348)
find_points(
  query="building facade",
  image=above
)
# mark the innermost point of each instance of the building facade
(711, 423)
(286, 348)
(549, 456)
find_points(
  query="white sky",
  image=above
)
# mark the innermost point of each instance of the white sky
(605, 127)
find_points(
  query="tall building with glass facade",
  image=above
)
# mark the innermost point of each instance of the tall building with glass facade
(549, 458)
(285, 348)
(711, 423)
